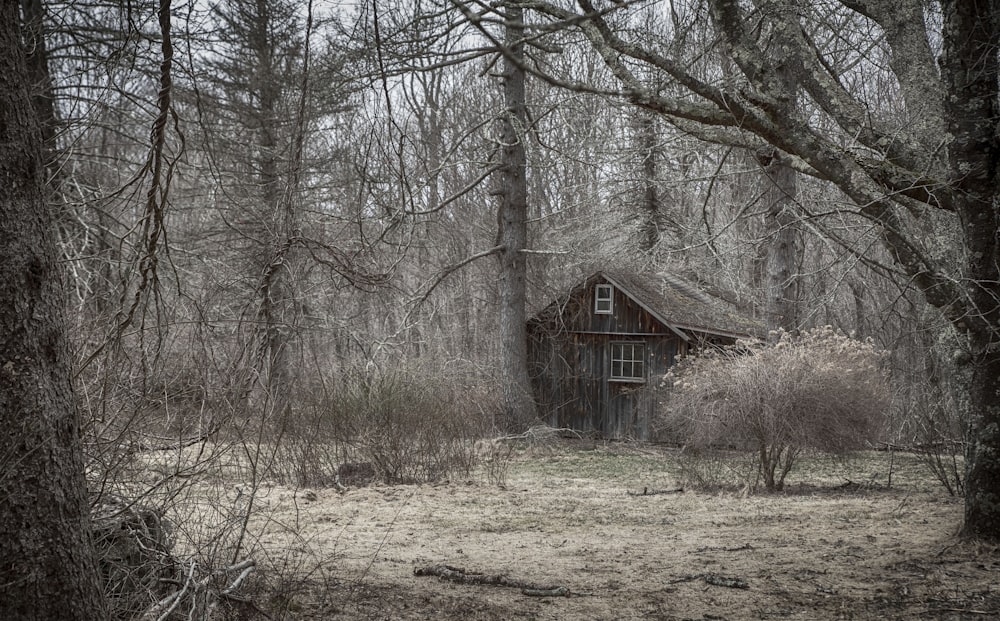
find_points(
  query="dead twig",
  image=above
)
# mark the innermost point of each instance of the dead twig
(463, 576)
(197, 583)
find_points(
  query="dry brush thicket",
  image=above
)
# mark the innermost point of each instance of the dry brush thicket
(393, 426)
(183, 458)
(818, 391)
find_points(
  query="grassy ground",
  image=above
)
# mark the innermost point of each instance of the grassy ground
(574, 516)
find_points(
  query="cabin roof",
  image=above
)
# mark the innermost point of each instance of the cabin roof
(677, 303)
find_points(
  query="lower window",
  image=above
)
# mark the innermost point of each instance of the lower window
(628, 361)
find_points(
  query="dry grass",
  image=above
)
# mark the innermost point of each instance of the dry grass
(820, 550)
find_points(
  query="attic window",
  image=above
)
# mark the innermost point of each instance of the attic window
(628, 362)
(604, 299)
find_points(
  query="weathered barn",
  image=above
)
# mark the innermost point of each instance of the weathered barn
(596, 353)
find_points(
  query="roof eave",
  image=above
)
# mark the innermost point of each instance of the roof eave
(725, 333)
(673, 327)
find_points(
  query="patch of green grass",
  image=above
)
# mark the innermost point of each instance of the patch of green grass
(600, 466)
(877, 469)
(635, 467)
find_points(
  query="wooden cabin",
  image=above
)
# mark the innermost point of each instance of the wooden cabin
(597, 353)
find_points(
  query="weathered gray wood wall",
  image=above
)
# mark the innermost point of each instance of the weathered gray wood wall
(570, 366)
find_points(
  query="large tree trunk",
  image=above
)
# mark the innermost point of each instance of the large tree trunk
(48, 568)
(42, 97)
(512, 221)
(971, 71)
(982, 503)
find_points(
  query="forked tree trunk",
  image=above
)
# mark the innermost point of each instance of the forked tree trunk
(48, 567)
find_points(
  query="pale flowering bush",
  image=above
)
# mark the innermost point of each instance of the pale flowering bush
(818, 391)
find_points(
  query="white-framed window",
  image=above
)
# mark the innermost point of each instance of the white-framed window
(604, 299)
(628, 361)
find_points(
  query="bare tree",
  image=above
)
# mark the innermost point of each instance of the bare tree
(255, 74)
(512, 234)
(933, 152)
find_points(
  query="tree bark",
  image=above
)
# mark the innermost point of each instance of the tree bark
(971, 71)
(48, 567)
(512, 235)
(781, 239)
(651, 207)
(42, 96)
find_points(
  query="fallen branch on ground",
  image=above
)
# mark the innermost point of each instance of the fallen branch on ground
(458, 574)
(195, 591)
(745, 546)
(554, 592)
(540, 433)
(653, 492)
(714, 579)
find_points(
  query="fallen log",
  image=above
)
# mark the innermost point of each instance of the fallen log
(654, 492)
(463, 576)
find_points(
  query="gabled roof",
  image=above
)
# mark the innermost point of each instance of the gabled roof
(677, 303)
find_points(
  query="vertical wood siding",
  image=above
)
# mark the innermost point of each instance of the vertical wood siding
(570, 366)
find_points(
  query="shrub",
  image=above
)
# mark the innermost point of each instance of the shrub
(402, 425)
(820, 391)
(931, 410)
(938, 423)
(409, 428)
(715, 468)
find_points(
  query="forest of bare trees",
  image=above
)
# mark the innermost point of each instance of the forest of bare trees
(220, 220)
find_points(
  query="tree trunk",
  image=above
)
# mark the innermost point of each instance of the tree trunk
(42, 97)
(971, 71)
(651, 208)
(275, 294)
(278, 217)
(982, 501)
(512, 217)
(779, 193)
(48, 567)
(780, 229)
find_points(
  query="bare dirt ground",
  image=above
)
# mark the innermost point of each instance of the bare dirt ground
(566, 518)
